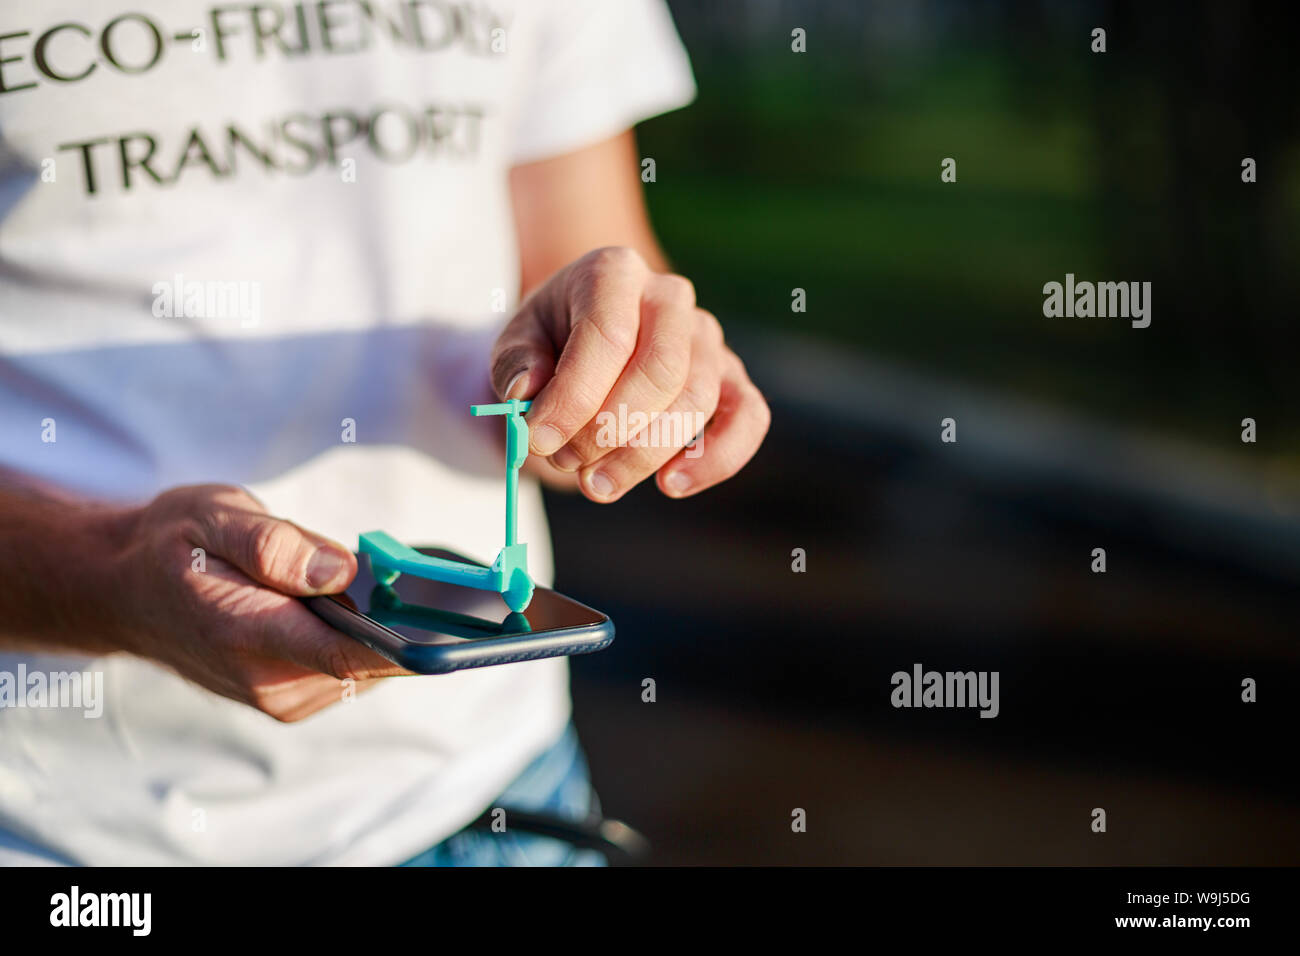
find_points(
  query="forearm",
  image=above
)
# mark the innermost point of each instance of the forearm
(567, 206)
(57, 552)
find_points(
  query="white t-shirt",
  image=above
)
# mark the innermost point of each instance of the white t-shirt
(233, 235)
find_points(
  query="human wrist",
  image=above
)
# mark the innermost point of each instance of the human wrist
(64, 562)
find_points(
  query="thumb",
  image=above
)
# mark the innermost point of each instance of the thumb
(279, 554)
(523, 357)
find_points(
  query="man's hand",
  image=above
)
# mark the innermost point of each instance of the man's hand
(607, 334)
(234, 627)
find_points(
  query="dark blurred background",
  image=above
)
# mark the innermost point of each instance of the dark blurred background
(1119, 690)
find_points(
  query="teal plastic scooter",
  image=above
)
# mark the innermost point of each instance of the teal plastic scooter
(508, 575)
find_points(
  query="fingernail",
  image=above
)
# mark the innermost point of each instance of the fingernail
(509, 393)
(325, 565)
(601, 485)
(546, 440)
(566, 459)
(678, 483)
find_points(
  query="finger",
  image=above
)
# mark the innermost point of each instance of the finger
(293, 693)
(653, 377)
(332, 692)
(613, 475)
(604, 308)
(729, 441)
(274, 552)
(295, 702)
(293, 633)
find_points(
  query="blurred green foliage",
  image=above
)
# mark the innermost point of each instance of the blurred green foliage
(822, 172)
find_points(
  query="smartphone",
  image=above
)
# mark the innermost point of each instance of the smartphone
(434, 628)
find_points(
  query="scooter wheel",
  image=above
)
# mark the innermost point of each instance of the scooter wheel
(520, 593)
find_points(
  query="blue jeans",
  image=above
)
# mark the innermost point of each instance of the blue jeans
(557, 782)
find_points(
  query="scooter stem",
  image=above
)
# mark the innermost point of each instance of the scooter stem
(516, 454)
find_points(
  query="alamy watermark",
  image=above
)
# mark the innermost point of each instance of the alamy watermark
(75, 690)
(1123, 300)
(922, 688)
(640, 430)
(183, 298)
(133, 911)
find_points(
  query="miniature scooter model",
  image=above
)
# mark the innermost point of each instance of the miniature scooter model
(508, 574)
